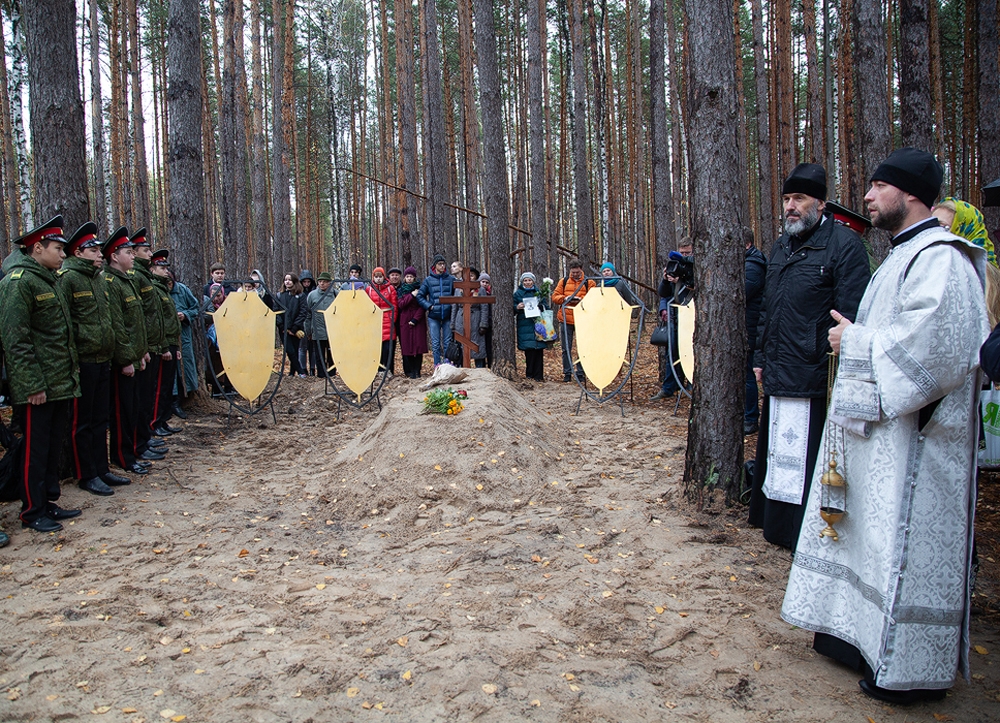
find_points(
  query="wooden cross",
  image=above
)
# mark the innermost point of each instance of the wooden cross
(467, 301)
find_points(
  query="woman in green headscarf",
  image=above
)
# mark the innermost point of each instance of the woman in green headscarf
(965, 220)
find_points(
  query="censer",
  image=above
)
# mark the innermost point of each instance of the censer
(833, 484)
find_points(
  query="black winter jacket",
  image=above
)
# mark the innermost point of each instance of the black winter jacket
(828, 269)
(755, 271)
(294, 318)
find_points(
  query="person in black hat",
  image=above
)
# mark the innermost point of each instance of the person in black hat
(318, 300)
(815, 266)
(354, 274)
(86, 290)
(891, 595)
(36, 332)
(159, 266)
(130, 354)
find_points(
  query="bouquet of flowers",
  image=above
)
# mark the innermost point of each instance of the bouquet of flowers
(445, 401)
(545, 288)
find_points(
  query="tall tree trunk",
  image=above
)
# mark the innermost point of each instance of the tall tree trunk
(814, 100)
(495, 195)
(581, 178)
(140, 173)
(281, 109)
(663, 204)
(784, 94)
(535, 10)
(18, 75)
(677, 139)
(470, 132)
(97, 122)
(232, 140)
(258, 171)
(766, 230)
(406, 95)
(715, 443)
(441, 221)
(186, 230)
(874, 137)
(916, 110)
(989, 111)
(12, 227)
(58, 139)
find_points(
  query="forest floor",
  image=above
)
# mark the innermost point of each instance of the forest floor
(514, 562)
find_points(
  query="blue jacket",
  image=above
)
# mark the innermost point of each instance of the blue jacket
(431, 290)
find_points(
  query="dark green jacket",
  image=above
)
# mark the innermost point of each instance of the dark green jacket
(37, 334)
(86, 291)
(168, 312)
(156, 340)
(126, 318)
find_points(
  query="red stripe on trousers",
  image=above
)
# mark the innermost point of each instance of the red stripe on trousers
(118, 417)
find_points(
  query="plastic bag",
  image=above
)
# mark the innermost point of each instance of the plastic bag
(545, 327)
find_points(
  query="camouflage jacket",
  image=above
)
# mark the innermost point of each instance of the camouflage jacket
(126, 318)
(168, 311)
(143, 279)
(86, 291)
(37, 333)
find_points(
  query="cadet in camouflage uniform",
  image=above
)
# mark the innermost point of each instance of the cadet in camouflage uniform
(156, 346)
(130, 349)
(163, 405)
(86, 290)
(42, 365)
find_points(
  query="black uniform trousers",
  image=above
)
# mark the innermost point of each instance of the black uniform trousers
(164, 390)
(89, 421)
(124, 403)
(44, 428)
(146, 380)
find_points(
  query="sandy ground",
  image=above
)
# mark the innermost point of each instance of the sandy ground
(514, 562)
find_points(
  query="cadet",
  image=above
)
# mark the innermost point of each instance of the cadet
(162, 403)
(130, 349)
(42, 367)
(86, 292)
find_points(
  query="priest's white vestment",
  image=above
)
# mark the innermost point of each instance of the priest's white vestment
(896, 584)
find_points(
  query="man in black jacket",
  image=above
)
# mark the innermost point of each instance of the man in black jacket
(817, 265)
(755, 270)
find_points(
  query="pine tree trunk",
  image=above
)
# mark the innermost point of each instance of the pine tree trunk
(282, 13)
(58, 139)
(767, 230)
(916, 110)
(258, 164)
(12, 227)
(406, 94)
(989, 111)
(663, 204)
(495, 195)
(140, 174)
(536, 132)
(874, 136)
(472, 158)
(581, 179)
(677, 142)
(97, 122)
(18, 75)
(441, 219)
(814, 101)
(232, 140)
(186, 230)
(715, 444)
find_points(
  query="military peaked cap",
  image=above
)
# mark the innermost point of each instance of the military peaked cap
(117, 240)
(53, 229)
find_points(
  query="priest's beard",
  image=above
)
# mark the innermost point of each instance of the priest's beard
(798, 226)
(891, 218)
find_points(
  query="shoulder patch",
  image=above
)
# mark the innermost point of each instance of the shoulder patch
(81, 294)
(145, 289)
(130, 272)
(129, 299)
(60, 272)
(17, 274)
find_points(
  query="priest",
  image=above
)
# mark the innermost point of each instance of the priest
(890, 595)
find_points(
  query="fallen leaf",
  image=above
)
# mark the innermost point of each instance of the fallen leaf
(101, 709)
(756, 665)
(401, 642)
(51, 698)
(13, 693)
(178, 718)
(489, 689)
(437, 467)
(479, 487)
(683, 615)
(714, 653)
(159, 692)
(366, 705)
(942, 716)
(536, 558)
(981, 650)
(379, 706)
(129, 710)
(352, 692)
(407, 675)
(568, 676)
(536, 703)
(574, 688)
(244, 552)
(166, 640)
(321, 586)
(167, 713)
(185, 650)
(732, 578)
(83, 684)
(670, 704)
(607, 593)
(593, 560)
(198, 671)
(659, 609)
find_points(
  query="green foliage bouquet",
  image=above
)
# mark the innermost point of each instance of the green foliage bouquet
(445, 401)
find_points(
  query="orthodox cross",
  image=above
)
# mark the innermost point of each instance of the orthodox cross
(467, 301)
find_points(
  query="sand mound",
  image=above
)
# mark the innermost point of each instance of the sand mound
(432, 469)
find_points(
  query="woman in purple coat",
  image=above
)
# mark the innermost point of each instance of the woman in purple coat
(412, 325)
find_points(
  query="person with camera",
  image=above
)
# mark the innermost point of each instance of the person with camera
(676, 287)
(816, 266)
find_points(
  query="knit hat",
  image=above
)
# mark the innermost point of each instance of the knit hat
(409, 270)
(394, 270)
(608, 265)
(378, 270)
(436, 259)
(912, 171)
(526, 275)
(325, 276)
(807, 178)
(485, 277)
(355, 267)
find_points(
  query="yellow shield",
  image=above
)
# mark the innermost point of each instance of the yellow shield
(685, 337)
(244, 328)
(602, 322)
(354, 327)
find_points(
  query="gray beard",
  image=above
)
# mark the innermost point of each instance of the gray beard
(806, 222)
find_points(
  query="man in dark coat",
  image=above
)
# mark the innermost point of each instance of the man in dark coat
(37, 336)
(816, 266)
(755, 271)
